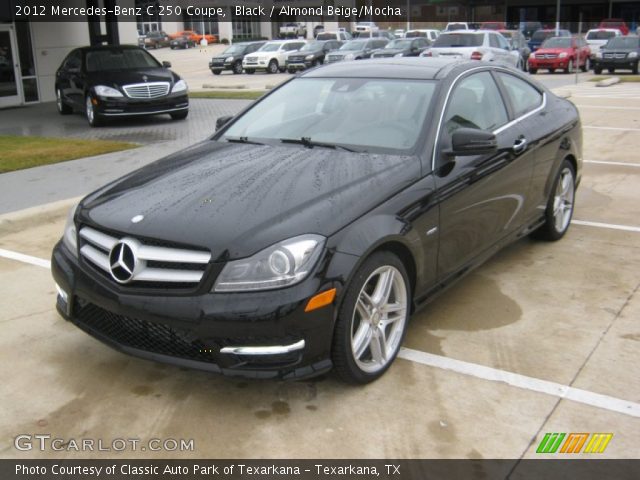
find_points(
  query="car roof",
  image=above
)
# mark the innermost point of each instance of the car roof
(420, 68)
(91, 48)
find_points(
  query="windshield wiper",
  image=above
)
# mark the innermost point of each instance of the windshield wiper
(307, 142)
(242, 140)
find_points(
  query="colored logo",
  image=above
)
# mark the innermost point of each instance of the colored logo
(573, 442)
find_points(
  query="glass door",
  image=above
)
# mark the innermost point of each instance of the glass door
(9, 72)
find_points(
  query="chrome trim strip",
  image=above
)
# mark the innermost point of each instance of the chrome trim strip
(522, 117)
(98, 258)
(106, 242)
(143, 113)
(165, 254)
(270, 350)
(167, 275)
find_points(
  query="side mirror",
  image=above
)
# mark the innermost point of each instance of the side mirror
(166, 64)
(471, 141)
(222, 121)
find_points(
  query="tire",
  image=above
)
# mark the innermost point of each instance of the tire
(63, 108)
(314, 63)
(560, 205)
(569, 68)
(533, 71)
(552, 70)
(634, 69)
(597, 70)
(172, 47)
(587, 65)
(237, 68)
(361, 323)
(216, 72)
(273, 66)
(179, 115)
(611, 70)
(94, 119)
(291, 71)
(250, 71)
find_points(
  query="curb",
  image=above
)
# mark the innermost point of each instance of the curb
(607, 82)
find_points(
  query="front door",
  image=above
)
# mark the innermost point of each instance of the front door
(9, 68)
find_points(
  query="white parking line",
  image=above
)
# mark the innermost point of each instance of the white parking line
(611, 226)
(466, 368)
(618, 129)
(521, 381)
(20, 257)
(622, 164)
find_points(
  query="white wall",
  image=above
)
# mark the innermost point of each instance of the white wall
(52, 42)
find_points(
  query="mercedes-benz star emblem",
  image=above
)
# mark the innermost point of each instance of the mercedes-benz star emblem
(145, 78)
(122, 262)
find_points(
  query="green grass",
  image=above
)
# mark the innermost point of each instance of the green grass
(623, 78)
(20, 152)
(243, 95)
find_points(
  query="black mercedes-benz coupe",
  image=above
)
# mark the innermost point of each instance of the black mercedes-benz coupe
(304, 233)
(117, 81)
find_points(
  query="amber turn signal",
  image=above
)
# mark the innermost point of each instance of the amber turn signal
(320, 300)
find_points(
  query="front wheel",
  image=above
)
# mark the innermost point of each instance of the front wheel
(237, 68)
(560, 205)
(372, 319)
(587, 65)
(94, 118)
(611, 70)
(63, 108)
(597, 70)
(216, 72)
(552, 70)
(179, 115)
(273, 67)
(634, 69)
(533, 71)
(569, 68)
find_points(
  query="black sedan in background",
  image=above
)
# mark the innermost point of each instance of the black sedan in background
(311, 54)
(621, 53)
(403, 47)
(306, 231)
(156, 40)
(356, 50)
(117, 81)
(231, 58)
(183, 42)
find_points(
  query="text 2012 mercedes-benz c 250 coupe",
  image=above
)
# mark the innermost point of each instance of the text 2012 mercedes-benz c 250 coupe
(303, 234)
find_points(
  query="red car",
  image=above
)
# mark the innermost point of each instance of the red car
(493, 26)
(615, 23)
(561, 53)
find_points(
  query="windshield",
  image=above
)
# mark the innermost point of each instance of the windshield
(362, 113)
(540, 35)
(351, 46)
(270, 47)
(557, 42)
(624, 42)
(234, 49)
(398, 44)
(311, 46)
(327, 36)
(119, 59)
(459, 40)
(612, 24)
(600, 35)
(456, 26)
(416, 33)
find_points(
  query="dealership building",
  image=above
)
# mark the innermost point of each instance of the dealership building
(32, 48)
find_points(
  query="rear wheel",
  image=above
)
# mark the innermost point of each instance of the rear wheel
(372, 319)
(273, 66)
(63, 108)
(611, 70)
(569, 68)
(587, 65)
(560, 205)
(597, 70)
(533, 71)
(634, 69)
(552, 70)
(216, 72)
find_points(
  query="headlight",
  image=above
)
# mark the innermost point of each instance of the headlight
(598, 54)
(180, 86)
(281, 265)
(562, 55)
(70, 235)
(309, 57)
(349, 56)
(228, 59)
(398, 55)
(104, 91)
(632, 54)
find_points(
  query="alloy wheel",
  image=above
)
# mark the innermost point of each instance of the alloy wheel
(378, 319)
(59, 100)
(90, 112)
(563, 200)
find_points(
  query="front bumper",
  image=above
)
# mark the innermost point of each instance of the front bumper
(124, 106)
(548, 64)
(219, 67)
(253, 334)
(624, 63)
(298, 65)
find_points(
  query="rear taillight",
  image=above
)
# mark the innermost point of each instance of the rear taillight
(476, 56)
(427, 54)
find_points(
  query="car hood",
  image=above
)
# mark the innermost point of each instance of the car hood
(618, 50)
(391, 51)
(126, 77)
(265, 54)
(554, 51)
(237, 199)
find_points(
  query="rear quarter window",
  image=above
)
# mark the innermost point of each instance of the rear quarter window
(523, 96)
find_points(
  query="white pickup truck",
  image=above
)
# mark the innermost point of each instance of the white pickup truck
(293, 30)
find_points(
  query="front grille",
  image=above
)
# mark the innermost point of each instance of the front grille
(383, 55)
(335, 58)
(149, 264)
(251, 59)
(141, 334)
(146, 90)
(546, 55)
(296, 59)
(615, 55)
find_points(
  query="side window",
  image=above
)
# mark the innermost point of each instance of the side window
(493, 41)
(74, 61)
(475, 103)
(523, 96)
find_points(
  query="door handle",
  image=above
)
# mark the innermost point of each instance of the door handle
(520, 145)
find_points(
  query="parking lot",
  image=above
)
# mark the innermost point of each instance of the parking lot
(542, 338)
